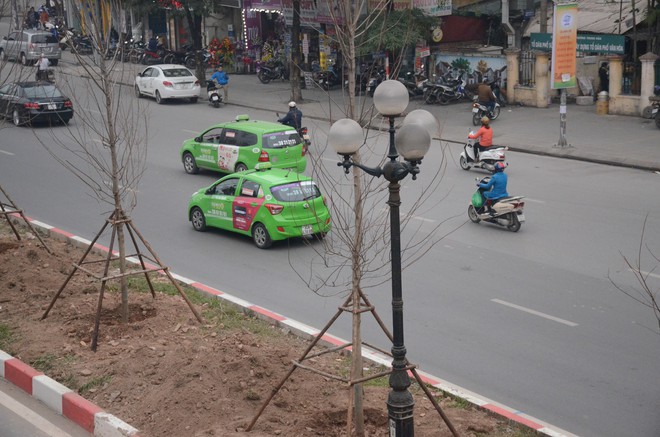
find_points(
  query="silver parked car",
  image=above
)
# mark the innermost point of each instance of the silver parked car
(27, 45)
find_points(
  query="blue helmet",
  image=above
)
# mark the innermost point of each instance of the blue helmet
(499, 166)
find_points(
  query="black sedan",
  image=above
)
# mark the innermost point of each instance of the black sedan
(34, 102)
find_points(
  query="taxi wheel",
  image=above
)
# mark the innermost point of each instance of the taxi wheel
(240, 167)
(198, 220)
(261, 237)
(189, 164)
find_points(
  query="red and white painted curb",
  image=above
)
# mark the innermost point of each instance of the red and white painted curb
(63, 400)
(92, 418)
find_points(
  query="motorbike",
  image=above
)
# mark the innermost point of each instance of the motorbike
(487, 158)
(443, 92)
(214, 93)
(501, 99)
(375, 78)
(507, 212)
(150, 57)
(655, 107)
(46, 75)
(81, 43)
(274, 70)
(479, 110)
(414, 83)
(176, 57)
(328, 79)
(190, 61)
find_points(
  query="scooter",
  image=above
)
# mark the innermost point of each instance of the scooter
(507, 212)
(274, 70)
(655, 109)
(214, 93)
(487, 158)
(45, 75)
(414, 83)
(479, 110)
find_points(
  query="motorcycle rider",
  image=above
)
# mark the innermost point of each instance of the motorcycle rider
(484, 135)
(222, 79)
(486, 96)
(496, 187)
(292, 118)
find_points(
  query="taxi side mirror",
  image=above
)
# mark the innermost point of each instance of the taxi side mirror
(198, 139)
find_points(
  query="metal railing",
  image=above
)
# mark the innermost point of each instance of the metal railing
(526, 65)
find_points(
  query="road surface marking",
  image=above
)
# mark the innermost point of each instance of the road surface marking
(529, 199)
(405, 216)
(536, 313)
(43, 424)
(194, 132)
(6, 153)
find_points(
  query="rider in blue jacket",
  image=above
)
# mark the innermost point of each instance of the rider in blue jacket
(495, 189)
(292, 118)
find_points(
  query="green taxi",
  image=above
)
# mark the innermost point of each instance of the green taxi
(268, 204)
(239, 145)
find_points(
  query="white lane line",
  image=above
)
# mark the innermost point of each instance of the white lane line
(653, 275)
(194, 132)
(534, 312)
(6, 153)
(40, 422)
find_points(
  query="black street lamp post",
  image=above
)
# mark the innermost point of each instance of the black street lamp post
(413, 140)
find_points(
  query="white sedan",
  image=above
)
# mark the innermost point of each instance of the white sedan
(167, 81)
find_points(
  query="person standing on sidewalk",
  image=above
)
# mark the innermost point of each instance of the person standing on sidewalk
(222, 79)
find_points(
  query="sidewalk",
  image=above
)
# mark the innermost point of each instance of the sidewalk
(611, 139)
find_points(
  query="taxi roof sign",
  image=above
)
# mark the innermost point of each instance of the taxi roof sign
(242, 117)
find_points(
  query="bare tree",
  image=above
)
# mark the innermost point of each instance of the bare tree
(356, 255)
(107, 147)
(646, 294)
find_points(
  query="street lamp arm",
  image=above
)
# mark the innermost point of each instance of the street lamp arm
(347, 163)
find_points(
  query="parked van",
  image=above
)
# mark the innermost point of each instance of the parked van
(27, 45)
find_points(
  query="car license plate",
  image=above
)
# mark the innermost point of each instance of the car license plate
(475, 110)
(52, 106)
(307, 230)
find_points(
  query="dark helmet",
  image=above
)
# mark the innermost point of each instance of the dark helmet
(499, 166)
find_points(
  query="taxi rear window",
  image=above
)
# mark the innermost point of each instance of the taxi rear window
(296, 191)
(281, 140)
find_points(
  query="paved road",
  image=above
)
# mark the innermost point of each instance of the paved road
(460, 323)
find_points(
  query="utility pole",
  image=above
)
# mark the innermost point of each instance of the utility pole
(543, 17)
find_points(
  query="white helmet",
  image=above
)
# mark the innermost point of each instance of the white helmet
(292, 104)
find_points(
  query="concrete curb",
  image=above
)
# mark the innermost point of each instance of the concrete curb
(63, 400)
(82, 412)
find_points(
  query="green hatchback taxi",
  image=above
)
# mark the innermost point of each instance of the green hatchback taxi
(242, 144)
(268, 204)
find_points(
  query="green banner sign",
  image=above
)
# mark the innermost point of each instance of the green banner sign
(602, 44)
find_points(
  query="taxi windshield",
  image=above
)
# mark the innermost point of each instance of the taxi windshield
(296, 191)
(281, 140)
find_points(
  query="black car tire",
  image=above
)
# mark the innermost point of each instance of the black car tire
(189, 164)
(16, 118)
(159, 99)
(261, 237)
(198, 220)
(240, 167)
(194, 99)
(138, 94)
